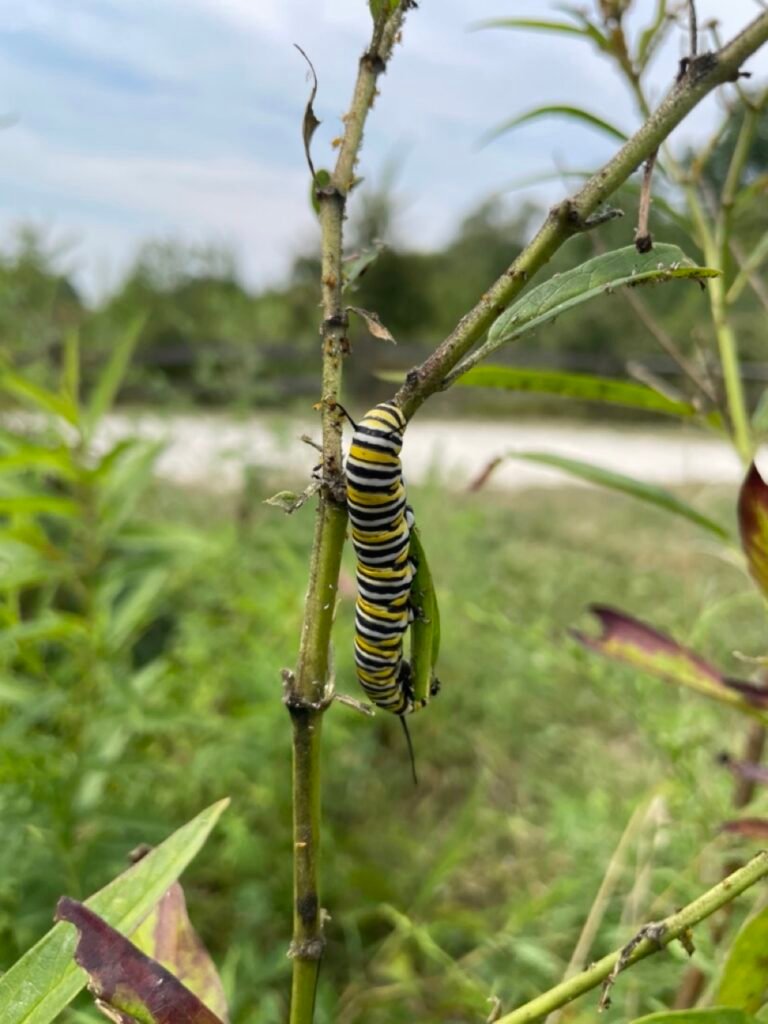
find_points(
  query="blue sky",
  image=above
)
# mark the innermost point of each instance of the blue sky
(138, 119)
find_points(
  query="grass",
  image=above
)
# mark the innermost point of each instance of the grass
(531, 762)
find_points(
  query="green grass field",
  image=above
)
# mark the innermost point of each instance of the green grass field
(532, 761)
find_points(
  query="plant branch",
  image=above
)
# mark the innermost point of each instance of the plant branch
(703, 74)
(308, 691)
(662, 933)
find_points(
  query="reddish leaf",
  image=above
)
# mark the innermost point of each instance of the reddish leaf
(168, 937)
(629, 640)
(751, 771)
(750, 828)
(130, 987)
(753, 526)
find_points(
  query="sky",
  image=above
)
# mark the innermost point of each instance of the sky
(130, 120)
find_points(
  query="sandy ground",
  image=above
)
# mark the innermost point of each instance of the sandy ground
(214, 451)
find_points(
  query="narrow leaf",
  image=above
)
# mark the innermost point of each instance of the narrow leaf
(425, 628)
(556, 110)
(41, 398)
(575, 385)
(38, 987)
(127, 980)
(112, 376)
(542, 25)
(626, 639)
(373, 323)
(309, 122)
(321, 180)
(597, 276)
(744, 980)
(753, 526)
(649, 493)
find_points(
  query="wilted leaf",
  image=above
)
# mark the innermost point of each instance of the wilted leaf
(125, 979)
(39, 985)
(373, 323)
(603, 273)
(712, 1015)
(626, 639)
(748, 828)
(744, 980)
(355, 266)
(310, 122)
(583, 386)
(639, 489)
(289, 501)
(560, 110)
(750, 771)
(753, 526)
(168, 937)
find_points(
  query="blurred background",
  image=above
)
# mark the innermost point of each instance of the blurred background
(160, 357)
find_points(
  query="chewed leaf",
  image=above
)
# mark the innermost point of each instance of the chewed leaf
(753, 525)
(125, 979)
(289, 501)
(373, 323)
(635, 643)
(356, 265)
(603, 273)
(167, 935)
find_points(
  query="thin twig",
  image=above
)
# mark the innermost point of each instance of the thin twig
(672, 928)
(693, 32)
(306, 690)
(643, 239)
(570, 216)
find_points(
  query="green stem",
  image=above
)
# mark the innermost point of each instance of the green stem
(673, 927)
(308, 690)
(704, 74)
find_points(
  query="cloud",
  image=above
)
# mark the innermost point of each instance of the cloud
(138, 118)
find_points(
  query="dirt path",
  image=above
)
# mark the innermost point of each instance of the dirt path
(213, 451)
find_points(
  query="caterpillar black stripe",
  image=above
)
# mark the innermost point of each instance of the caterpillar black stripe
(381, 523)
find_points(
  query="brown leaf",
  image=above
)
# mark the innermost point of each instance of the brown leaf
(750, 828)
(167, 935)
(373, 323)
(751, 771)
(130, 987)
(635, 643)
(753, 526)
(310, 122)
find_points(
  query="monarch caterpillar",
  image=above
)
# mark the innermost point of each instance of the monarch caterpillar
(384, 541)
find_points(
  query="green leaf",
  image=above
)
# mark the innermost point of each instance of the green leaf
(760, 415)
(587, 30)
(41, 398)
(651, 34)
(320, 181)
(712, 1015)
(753, 526)
(112, 376)
(356, 265)
(575, 385)
(597, 276)
(556, 110)
(744, 980)
(70, 376)
(46, 979)
(649, 493)
(425, 628)
(37, 504)
(382, 8)
(626, 639)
